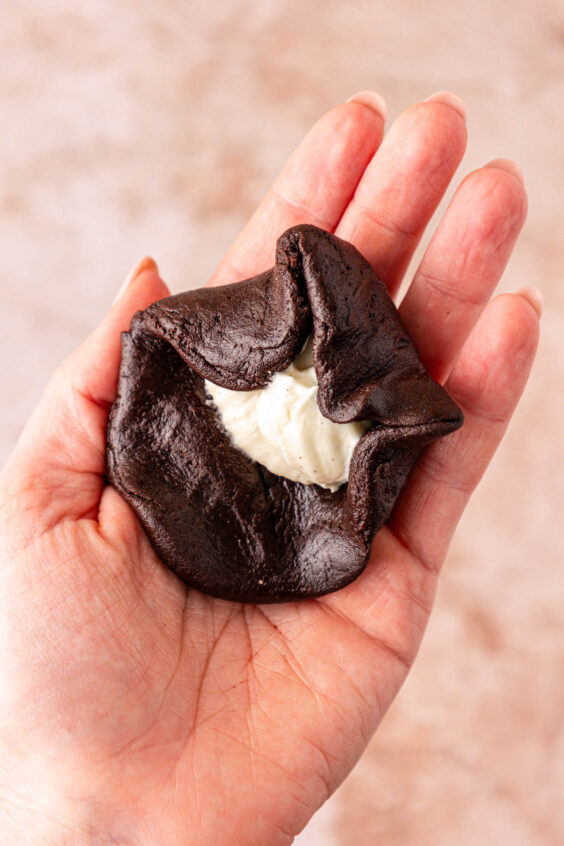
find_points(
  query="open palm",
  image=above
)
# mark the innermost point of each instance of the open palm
(136, 709)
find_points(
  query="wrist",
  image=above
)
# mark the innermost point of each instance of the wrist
(41, 805)
(50, 820)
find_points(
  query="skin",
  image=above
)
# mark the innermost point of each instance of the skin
(136, 711)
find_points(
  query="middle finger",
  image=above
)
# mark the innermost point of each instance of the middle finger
(403, 184)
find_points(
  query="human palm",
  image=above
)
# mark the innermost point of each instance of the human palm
(135, 708)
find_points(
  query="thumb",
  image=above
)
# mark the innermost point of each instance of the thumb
(57, 467)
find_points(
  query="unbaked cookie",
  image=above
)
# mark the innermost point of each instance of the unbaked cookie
(221, 521)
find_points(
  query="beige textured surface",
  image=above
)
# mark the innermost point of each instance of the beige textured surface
(133, 128)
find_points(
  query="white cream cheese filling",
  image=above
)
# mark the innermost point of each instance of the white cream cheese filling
(281, 426)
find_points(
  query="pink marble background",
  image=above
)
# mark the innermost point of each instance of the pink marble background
(132, 127)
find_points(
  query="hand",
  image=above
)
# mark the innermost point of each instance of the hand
(132, 708)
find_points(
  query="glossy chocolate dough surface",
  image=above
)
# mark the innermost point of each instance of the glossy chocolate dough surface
(222, 522)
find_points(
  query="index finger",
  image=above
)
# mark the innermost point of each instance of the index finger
(315, 186)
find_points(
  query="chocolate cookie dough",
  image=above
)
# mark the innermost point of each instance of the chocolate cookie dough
(222, 522)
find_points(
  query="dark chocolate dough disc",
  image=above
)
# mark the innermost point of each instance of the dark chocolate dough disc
(221, 521)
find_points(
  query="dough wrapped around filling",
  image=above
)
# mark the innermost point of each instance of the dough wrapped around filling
(281, 426)
(221, 520)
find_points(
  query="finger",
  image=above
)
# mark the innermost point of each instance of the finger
(93, 368)
(404, 183)
(60, 457)
(463, 263)
(486, 382)
(314, 187)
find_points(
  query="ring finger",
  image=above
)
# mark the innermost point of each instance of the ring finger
(463, 263)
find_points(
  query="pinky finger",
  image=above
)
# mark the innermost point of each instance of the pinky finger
(487, 382)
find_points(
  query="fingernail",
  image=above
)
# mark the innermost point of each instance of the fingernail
(371, 99)
(449, 99)
(509, 166)
(534, 297)
(145, 264)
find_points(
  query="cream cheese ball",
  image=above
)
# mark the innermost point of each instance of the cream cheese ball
(281, 427)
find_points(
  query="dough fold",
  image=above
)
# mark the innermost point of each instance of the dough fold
(223, 523)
